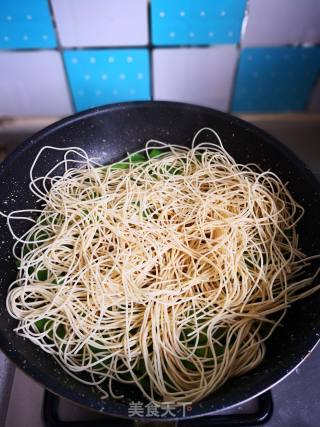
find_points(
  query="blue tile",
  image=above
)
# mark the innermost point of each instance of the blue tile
(275, 79)
(196, 22)
(105, 76)
(26, 24)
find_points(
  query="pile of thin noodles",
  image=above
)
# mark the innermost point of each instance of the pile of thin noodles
(164, 273)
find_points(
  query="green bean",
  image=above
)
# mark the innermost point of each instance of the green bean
(201, 352)
(42, 219)
(58, 281)
(137, 158)
(42, 275)
(41, 236)
(61, 332)
(189, 365)
(145, 382)
(26, 249)
(155, 152)
(173, 170)
(30, 270)
(141, 367)
(120, 165)
(95, 349)
(47, 325)
(126, 376)
(41, 324)
(288, 233)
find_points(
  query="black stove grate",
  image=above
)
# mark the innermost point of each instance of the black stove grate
(261, 416)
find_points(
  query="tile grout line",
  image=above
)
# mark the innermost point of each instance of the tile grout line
(150, 49)
(123, 47)
(239, 49)
(160, 46)
(234, 80)
(312, 91)
(59, 48)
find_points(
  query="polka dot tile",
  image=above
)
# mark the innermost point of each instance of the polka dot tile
(190, 22)
(314, 105)
(26, 24)
(275, 79)
(105, 76)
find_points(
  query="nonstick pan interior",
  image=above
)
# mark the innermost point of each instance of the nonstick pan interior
(107, 133)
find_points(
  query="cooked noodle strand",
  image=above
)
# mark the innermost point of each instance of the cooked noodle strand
(169, 274)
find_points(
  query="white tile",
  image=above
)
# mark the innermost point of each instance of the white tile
(101, 22)
(33, 83)
(281, 22)
(201, 76)
(314, 105)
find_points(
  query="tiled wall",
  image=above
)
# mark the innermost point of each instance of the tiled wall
(61, 56)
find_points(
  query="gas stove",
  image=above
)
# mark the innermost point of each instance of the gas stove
(294, 402)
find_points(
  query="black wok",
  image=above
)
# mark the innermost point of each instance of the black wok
(108, 133)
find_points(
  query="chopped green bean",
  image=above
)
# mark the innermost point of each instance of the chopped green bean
(189, 365)
(61, 332)
(41, 236)
(141, 367)
(200, 352)
(42, 219)
(42, 275)
(57, 219)
(173, 170)
(137, 158)
(58, 281)
(47, 325)
(26, 249)
(126, 376)
(155, 152)
(95, 349)
(145, 382)
(120, 165)
(41, 324)
(203, 340)
(288, 233)
(93, 195)
(218, 349)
